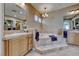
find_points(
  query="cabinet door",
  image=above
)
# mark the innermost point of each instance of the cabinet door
(70, 38)
(26, 45)
(23, 45)
(14, 47)
(22, 39)
(30, 42)
(76, 39)
(6, 47)
(73, 38)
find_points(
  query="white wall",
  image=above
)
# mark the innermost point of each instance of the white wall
(1, 28)
(54, 22)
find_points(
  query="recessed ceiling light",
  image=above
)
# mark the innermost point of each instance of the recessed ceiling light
(14, 15)
(21, 12)
(23, 4)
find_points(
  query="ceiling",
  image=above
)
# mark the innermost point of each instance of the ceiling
(13, 10)
(51, 6)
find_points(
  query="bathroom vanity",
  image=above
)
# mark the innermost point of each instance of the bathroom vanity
(73, 37)
(18, 44)
(18, 37)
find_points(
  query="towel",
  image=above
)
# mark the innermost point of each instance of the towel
(37, 36)
(53, 37)
(65, 34)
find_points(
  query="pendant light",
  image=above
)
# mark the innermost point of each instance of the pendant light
(45, 15)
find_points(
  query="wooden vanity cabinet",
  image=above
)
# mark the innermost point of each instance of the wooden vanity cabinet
(18, 46)
(73, 38)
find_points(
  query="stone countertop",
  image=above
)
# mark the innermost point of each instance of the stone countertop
(74, 31)
(15, 35)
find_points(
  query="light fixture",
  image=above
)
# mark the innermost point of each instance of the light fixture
(14, 15)
(76, 11)
(23, 4)
(21, 12)
(20, 4)
(45, 15)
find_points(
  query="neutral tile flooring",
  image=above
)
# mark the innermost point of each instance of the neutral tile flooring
(71, 50)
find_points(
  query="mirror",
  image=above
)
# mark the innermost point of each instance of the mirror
(73, 21)
(68, 23)
(76, 22)
(15, 17)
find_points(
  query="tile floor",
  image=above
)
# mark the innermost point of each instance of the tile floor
(71, 50)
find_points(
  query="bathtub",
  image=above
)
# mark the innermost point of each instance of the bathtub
(45, 42)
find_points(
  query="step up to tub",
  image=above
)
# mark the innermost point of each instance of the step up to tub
(42, 49)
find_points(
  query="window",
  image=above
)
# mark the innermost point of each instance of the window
(66, 25)
(37, 19)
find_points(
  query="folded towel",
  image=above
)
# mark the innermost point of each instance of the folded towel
(53, 37)
(37, 36)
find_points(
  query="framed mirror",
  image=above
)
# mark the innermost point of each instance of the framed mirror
(15, 17)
